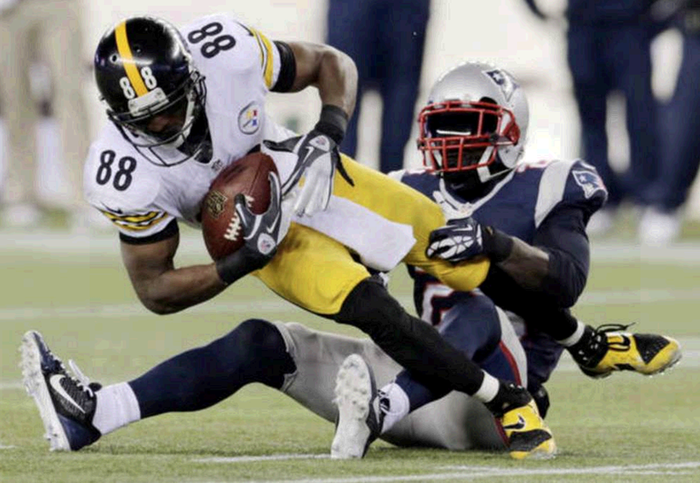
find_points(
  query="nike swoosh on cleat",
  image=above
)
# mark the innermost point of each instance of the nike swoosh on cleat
(515, 426)
(55, 382)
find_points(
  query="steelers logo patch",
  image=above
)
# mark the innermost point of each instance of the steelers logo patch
(249, 118)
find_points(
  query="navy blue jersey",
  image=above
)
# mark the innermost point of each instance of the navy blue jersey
(531, 202)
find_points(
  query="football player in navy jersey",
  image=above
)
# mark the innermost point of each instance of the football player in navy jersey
(529, 219)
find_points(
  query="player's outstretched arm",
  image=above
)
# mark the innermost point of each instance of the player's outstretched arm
(160, 286)
(164, 289)
(334, 74)
(331, 71)
(555, 265)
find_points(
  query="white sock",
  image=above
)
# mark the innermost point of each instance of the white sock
(576, 336)
(488, 389)
(116, 407)
(398, 405)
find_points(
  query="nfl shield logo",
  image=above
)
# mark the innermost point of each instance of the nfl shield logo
(214, 203)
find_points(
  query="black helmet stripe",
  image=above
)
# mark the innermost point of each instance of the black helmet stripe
(128, 60)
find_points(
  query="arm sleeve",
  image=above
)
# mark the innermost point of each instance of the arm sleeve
(562, 235)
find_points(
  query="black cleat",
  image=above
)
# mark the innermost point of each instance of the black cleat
(608, 348)
(66, 404)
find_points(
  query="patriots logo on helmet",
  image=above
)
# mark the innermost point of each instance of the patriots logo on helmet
(589, 181)
(504, 81)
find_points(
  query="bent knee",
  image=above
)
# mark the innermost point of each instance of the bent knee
(255, 331)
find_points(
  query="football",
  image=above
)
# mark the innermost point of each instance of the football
(221, 227)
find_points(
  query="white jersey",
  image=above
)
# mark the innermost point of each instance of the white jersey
(141, 198)
(240, 65)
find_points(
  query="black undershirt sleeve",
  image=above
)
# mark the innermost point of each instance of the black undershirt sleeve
(288, 67)
(563, 236)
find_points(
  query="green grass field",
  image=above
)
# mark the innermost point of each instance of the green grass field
(74, 291)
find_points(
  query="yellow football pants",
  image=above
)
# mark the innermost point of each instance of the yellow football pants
(317, 272)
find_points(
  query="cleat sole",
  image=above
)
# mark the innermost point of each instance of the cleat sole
(35, 384)
(353, 393)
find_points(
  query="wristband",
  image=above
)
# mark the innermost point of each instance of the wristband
(239, 264)
(497, 244)
(333, 122)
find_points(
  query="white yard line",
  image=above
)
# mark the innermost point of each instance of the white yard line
(474, 472)
(272, 457)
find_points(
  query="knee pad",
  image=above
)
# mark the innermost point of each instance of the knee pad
(256, 351)
(257, 332)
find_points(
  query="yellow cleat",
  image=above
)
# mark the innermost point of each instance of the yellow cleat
(528, 434)
(646, 354)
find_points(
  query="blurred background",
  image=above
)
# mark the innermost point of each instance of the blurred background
(505, 32)
(65, 277)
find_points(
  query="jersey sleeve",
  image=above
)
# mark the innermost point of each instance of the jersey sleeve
(585, 188)
(270, 59)
(121, 187)
(138, 225)
(569, 184)
(222, 43)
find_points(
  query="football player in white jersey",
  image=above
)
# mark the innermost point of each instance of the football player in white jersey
(186, 103)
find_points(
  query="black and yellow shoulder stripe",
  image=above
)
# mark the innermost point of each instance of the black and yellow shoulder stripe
(266, 56)
(136, 222)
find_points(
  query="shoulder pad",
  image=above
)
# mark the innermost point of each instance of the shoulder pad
(220, 44)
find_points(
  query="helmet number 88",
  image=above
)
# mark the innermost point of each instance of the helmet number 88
(213, 47)
(148, 79)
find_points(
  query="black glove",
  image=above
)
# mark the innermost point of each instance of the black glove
(262, 235)
(318, 157)
(465, 239)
